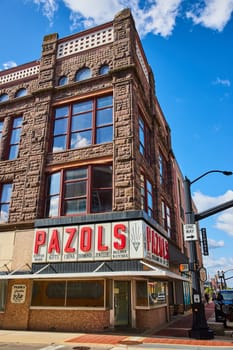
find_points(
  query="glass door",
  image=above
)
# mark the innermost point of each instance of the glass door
(122, 303)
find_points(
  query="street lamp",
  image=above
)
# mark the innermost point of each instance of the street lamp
(200, 329)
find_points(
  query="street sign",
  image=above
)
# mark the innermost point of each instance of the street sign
(190, 232)
(204, 242)
(203, 274)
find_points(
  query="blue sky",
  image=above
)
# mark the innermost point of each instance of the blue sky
(189, 47)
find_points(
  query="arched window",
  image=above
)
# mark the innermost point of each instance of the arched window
(62, 80)
(4, 97)
(83, 74)
(104, 69)
(21, 92)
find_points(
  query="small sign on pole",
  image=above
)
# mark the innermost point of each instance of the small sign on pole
(190, 232)
(203, 274)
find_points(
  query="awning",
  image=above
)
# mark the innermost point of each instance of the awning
(151, 272)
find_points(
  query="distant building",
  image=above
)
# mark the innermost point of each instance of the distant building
(92, 208)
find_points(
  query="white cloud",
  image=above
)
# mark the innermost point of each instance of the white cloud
(204, 202)
(214, 265)
(224, 221)
(9, 64)
(48, 7)
(151, 16)
(156, 17)
(90, 13)
(214, 14)
(224, 82)
(213, 244)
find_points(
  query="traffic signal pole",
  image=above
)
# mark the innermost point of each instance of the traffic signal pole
(200, 329)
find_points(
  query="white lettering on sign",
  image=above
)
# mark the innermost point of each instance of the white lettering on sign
(190, 232)
(100, 241)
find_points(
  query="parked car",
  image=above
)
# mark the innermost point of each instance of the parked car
(224, 306)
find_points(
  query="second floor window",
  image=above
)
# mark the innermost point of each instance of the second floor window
(15, 138)
(147, 196)
(79, 191)
(83, 123)
(166, 218)
(5, 191)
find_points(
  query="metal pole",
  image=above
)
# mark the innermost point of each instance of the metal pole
(200, 329)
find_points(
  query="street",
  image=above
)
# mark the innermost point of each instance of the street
(21, 346)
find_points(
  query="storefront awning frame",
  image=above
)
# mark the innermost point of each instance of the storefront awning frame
(155, 272)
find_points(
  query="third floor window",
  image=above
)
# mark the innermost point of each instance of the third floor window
(83, 123)
(147, 196)
(14, 138)
(145, 140)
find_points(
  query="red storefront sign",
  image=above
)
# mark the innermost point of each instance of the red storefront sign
(100, 241)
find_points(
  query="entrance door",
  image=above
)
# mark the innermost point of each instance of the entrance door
(122, 303)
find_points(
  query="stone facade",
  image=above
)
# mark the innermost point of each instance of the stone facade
(132, 84)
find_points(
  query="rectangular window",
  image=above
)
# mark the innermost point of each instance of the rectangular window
(101, 189)
(15, 138)
(147, 196)
(164, 172)
(1, 128)
(166, 218)
(3, 294)
(6, 190)
(161, 169)
(150, 293)
(83, 123)
(145, 140)
(79, 190)
(70, 293)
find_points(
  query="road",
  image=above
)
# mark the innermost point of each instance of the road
(21, 346)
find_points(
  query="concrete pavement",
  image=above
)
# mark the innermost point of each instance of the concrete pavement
(176, 332)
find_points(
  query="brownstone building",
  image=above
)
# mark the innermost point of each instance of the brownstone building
(91, 195)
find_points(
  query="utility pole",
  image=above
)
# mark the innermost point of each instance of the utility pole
(200, 329)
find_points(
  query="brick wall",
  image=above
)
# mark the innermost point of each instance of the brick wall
(150, 319)
(16, 314)
(68, 320)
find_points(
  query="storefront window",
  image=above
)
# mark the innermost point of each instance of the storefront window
(150, 293)
(141, 293)
(3, 292)
(69, 293)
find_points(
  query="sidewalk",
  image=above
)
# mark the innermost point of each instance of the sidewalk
(176, 332)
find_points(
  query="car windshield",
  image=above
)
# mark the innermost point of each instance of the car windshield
(227, 295)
